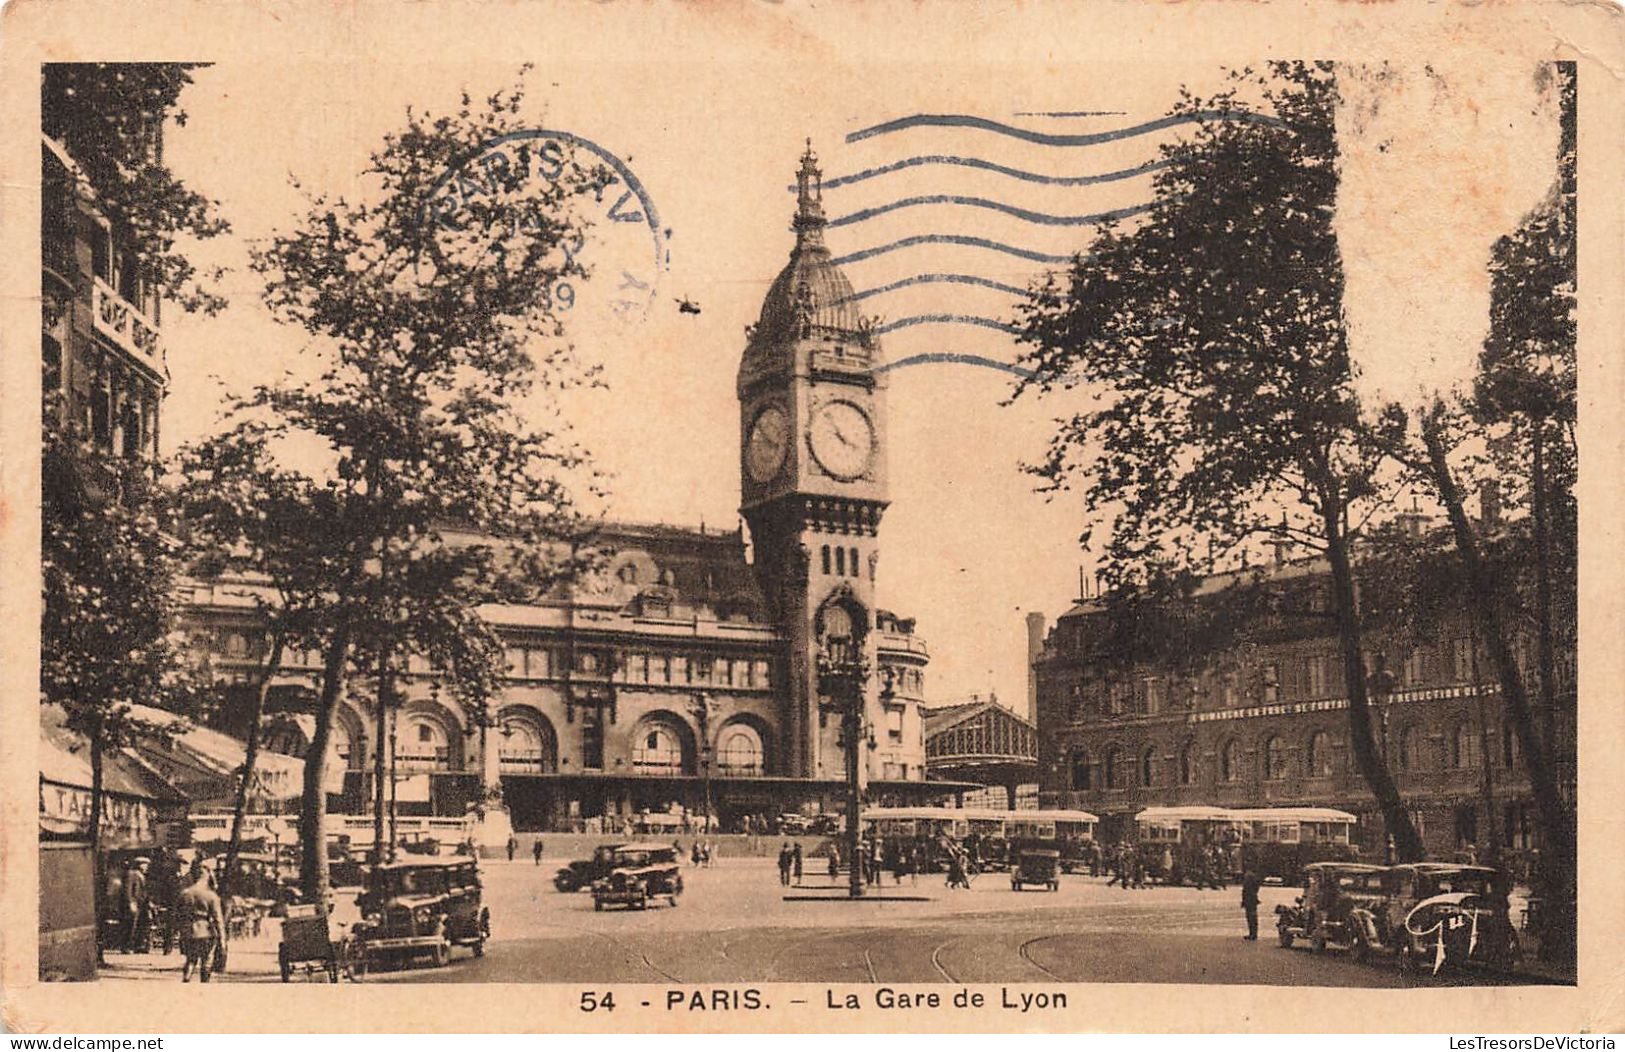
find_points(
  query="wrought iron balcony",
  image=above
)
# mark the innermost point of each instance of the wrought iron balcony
(118, 319)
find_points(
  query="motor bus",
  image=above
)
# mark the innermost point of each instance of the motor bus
(1279, 841)
(1172, 840)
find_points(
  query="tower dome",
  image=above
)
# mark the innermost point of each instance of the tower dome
(810, 297)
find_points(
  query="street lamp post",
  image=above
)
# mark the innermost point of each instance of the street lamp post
(701, 708)
(842, 674)
(1380, 687)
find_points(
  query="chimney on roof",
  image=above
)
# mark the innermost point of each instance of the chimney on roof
(1035, 647)
(1280, 543)
(1412, 521)
(1489, 502)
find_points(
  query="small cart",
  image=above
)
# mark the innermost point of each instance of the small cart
(1040, 868)
(307, 947)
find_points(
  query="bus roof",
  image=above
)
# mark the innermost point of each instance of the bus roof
(1195, 813)
(970, 814)
(1295, 814)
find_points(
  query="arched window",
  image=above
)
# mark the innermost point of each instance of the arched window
(524, 745)
(1319, 761)
(657, 750)
(739, 750)
(422, 742)
(1464, 746)
(840, 561)
(1080, 770)
(1274, 758)
(1114, 768)
(852, 560)
(1230, 762)
(1148, 766)
(1187, 765)
(824, 558)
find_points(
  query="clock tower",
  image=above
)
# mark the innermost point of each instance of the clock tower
(813, 471)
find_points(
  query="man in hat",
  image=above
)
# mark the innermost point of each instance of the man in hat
(137, 901)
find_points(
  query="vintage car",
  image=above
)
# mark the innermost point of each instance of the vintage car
(637, 873)
(1038, 867)
(422, 908)
(1343, 904)
(634, 885)
(1443, 913)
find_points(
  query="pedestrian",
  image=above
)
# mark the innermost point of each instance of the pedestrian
(513, 845)
(834, 862)
(202, 925)
(536, 852)
(136, 901)
(694, 855)
(795, 861)
(1167, 875)
(784, 864)
(1249, 902)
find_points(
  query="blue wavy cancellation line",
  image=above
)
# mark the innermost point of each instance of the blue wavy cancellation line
(991, 166)
(947, 319)
(936, 279)
(960, 120)
(956, 358)
(1024, 214)
(950, 239)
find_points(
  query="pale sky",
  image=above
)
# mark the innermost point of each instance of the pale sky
(968, 546)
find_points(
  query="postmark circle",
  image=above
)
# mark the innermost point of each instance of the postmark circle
(625, 247)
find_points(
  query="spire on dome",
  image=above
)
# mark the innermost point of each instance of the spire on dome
(809, 221)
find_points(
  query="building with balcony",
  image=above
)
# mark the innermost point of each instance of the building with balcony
(1265, 723)
(102, 352)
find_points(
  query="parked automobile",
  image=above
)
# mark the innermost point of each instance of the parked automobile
(422, 908)
(1443, 913)
(794, 825)
(582, 872)
(1343, 904)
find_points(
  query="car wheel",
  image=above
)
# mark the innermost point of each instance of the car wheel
(1286, 938)
(673, 899)
(479, 948)
(1362, 949)
(1407, 960)
(598, 904)
(1317, 943)
(440, 955)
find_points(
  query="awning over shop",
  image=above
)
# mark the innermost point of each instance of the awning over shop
(203, 764)
(136, 801)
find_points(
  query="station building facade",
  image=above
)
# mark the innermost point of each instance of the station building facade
(1266, 724)
(685, 675)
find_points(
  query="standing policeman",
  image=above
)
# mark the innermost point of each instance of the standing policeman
(1249, 902)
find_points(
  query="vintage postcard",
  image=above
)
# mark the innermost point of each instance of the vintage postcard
(778, 516)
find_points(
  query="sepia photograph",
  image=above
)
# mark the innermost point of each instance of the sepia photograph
(699, 517)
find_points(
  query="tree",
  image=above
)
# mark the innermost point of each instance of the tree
(1212, 338)
(107, 634)
(435, 494)
(110, 118)
(1523, 409)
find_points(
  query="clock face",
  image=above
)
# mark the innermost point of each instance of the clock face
(768, 441)
(842, 439)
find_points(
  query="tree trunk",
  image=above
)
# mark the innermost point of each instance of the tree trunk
(1556, 828)
(251, 752)
(1543, 591)
(313, 805)
(98, 871)
(1372, 766)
